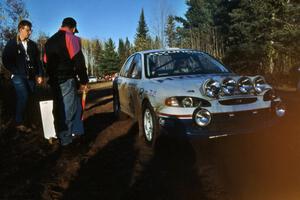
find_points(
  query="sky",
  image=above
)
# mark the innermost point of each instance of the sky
(101, 19)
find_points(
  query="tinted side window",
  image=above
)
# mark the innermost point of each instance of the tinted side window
(125, 69)
(136, 67)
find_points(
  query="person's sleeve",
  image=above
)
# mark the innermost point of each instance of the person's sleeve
(7, 57)
(39, 64)
(76, 55)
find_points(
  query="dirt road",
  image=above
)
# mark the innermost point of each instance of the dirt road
(109, 163)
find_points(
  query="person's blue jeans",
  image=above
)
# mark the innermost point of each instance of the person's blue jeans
(24, 88)
(67, 111)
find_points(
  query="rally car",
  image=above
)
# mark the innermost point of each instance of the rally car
(190, 92)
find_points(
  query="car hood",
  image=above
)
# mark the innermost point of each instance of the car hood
(189, 82)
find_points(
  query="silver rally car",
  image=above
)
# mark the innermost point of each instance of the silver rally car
(189, 92)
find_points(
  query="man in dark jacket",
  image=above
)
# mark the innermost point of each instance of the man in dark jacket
(64, 64)
(21, 57)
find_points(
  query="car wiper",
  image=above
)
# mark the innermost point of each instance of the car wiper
(156, 68)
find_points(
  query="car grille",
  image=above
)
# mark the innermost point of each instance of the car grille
(238, 101)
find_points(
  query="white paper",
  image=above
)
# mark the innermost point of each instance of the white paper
(47, 119)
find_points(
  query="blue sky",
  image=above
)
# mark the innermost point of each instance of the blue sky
(100, 19)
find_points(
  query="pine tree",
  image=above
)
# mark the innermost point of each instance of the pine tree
(142, 39)
(199, 30)
(128, 48)
(109, 59)
(171, 32)
(97, 52)
(251, 36)
(156, 43)
(121, 52)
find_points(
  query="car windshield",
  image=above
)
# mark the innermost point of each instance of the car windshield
(172, 63)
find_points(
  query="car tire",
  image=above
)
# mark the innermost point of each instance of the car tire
(149, 125)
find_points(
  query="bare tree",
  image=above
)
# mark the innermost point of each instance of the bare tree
(11, 12)
(160, 16)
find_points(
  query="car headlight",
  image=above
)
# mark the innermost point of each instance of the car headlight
(228, 86)
(172, 101)
(212, 88)
(202, 117)
(259, 84)
(187, 102)
(245, 85)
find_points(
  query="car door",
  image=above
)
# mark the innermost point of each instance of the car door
(134, 75)
(122, 83)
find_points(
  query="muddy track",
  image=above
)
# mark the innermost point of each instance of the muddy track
(111, 162)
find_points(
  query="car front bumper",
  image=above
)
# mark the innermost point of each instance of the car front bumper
(221, 123)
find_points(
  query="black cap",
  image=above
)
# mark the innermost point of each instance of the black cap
(70, 22)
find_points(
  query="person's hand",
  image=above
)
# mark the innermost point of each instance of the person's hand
(39, 80)
(84, 88)
(7, 74)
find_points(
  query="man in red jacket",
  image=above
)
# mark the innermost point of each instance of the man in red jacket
(64, 63)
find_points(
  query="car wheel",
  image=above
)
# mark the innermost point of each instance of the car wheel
(149, 125)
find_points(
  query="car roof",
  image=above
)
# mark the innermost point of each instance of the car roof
(166, 50)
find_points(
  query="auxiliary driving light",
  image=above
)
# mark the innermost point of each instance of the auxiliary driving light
(228, 86)
(280, 110)
(259, 84)
(245, 85)
(202, 117)
(212, 88)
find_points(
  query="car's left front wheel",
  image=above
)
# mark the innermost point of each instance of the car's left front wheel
(150, 125)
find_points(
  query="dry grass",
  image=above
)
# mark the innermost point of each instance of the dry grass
(100, 85)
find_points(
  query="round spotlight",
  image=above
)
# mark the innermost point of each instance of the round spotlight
(280, 110)
(187, 102)
(245, 85)
(212, 88)
(228, 86)
(202, 117)
(259, 84)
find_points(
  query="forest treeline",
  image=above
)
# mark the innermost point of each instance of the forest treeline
(249, 36)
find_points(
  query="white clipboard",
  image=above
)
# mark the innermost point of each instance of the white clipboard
(47, 119)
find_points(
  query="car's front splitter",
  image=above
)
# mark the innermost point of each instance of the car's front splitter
(221, 124)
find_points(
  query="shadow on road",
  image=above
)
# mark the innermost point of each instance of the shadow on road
(168, 172)
(103, 102)
(120, 170)
(108, 173)
(95, 94)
